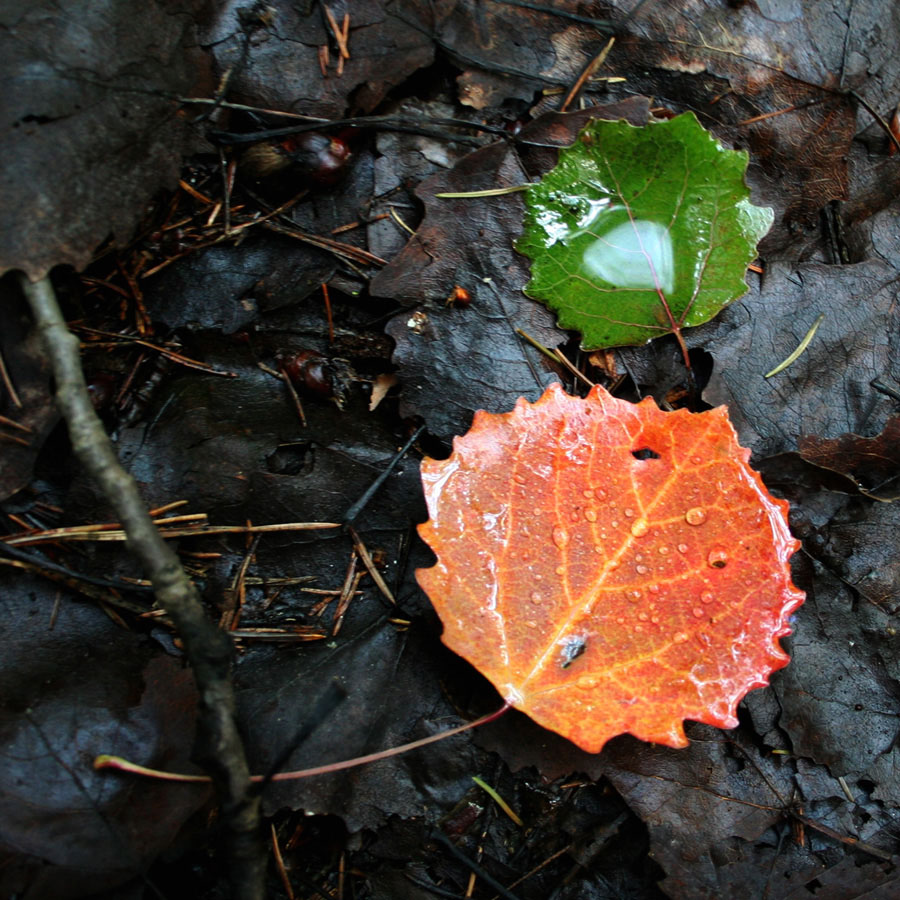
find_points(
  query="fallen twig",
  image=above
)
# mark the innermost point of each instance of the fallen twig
(115, 533)
(208, 649)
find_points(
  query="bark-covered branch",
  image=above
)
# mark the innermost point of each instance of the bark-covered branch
(209, 650)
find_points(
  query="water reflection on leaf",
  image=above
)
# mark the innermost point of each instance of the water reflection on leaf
(605, 227)
(633, 255)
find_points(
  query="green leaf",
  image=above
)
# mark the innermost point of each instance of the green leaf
(639, 232)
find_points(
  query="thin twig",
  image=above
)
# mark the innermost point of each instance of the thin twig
(210, 101)
(279, 864)
(338, 33)
(12, 423)
(93, 533)
(576, 372)
(79, 587)
(7, 383)
(328, 315)
(431, 127)
(586, 73)
(292, 393)
(360, 505)
(486, 877)
(537, 345)
(163, 351)
(346, 251)
(370, 565)
(73, 579)
(208, 649)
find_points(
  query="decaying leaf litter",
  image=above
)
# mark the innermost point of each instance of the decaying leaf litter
(721, 817)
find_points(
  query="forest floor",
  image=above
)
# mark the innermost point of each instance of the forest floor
(396, 314)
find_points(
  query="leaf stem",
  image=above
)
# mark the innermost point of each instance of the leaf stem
(108, 761)
(676, 330)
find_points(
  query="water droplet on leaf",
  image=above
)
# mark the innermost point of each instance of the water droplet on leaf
(639, 528)
(560, 537)
(695, 516)
(718, 559)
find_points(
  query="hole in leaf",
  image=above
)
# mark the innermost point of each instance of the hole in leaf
(645, 453)
(573, 648)
(297, 458)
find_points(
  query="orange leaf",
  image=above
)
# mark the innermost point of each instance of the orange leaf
(610, 567)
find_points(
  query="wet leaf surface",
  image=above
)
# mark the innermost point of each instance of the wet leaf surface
(638, 232)
(473, 353)
(273, 51)
(236, 447)
(398, 701)
(859, 331)
(511, 51)
(609, 567)
(872, 463)
(454, 361)
(35, 414)
(775, 76)
(67, 690)
(91, 91)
